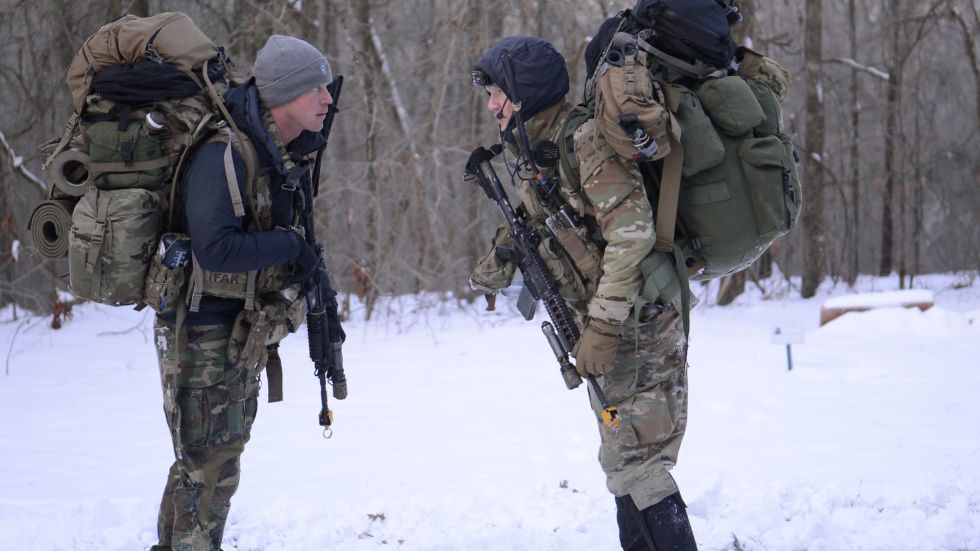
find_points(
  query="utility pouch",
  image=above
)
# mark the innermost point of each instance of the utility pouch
(127, 157)
(167, 274)
(583, 254)
(660, 282)
(112, 240)
(703, 148)
(625, 89)
(731, 105)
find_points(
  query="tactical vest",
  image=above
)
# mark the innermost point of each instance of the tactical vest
(572, 253)
(246, 285)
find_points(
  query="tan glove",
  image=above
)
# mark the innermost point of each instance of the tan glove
(493, 273)
(596, 349)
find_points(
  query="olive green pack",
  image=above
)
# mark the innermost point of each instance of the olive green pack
(729, 185)
(119, 162)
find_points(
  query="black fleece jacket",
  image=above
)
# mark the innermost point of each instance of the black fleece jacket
(221, 241)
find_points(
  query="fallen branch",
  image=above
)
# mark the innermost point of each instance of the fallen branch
(11, 348)
(138, 326)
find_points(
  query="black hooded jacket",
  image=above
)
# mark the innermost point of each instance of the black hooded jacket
(540, 71)
(220, 240)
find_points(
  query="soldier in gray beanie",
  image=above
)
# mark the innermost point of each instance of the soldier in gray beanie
(240, 207)
(288, 67)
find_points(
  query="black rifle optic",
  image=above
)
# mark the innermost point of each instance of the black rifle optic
(538, 281)
(326, 336)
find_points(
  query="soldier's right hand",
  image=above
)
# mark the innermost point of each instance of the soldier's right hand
(303, 265)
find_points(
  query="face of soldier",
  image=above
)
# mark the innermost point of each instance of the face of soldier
(499, 105)
(306, 112)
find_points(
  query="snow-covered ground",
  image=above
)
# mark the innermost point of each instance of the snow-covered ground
(459, 434)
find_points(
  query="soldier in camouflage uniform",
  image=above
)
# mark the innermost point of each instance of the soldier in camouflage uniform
(248, 256)
(637, 351)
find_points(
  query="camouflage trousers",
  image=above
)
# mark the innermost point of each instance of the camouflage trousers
(210, 407)
(648, 384)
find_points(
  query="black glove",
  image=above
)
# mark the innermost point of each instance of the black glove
(334, 329)
(303, 265)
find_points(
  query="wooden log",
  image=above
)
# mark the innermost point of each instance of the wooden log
(838, 306)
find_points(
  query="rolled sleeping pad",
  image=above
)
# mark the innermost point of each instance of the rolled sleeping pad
(68, 172)
(49, 225)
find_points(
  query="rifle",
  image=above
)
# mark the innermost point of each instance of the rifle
(538, 281)
(326, 336)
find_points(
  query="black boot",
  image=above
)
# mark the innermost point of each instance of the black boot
(663, 526)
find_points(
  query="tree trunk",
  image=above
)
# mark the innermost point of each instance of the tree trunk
(369, 268)
(887, 264)
(815, 253)
(854, 264)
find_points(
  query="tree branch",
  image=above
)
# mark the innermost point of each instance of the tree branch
(877, 73)
(18, 163)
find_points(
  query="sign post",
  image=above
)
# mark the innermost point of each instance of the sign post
(788, 336)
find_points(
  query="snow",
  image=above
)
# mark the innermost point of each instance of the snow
(459, 434)
(879, 299)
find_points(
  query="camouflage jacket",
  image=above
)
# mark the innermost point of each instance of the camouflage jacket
(612, 201)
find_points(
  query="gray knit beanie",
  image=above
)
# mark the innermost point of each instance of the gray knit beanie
(287, 67)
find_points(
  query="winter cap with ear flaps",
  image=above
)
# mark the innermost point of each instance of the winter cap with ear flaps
(540, 71)
(287, 67)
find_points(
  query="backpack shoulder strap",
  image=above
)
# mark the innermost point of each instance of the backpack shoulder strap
(566, 145)
(246, 150)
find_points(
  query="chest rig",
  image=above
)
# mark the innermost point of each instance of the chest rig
(552, 204)
(248, 285)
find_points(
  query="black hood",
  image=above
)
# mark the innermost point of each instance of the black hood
(244, 106)
(540, 71)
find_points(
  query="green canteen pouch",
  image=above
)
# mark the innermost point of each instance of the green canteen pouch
(731, 104)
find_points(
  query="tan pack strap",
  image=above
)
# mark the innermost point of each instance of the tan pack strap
(138, 166)
(273, 373)
(216, 99)
(196, 290)
(98, 237)
(247, 150)
(70, 127)
(250, 290)
(231, 177)
(670, 191)
(249, 162)
(181, 316)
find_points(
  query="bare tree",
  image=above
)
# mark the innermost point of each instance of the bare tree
(815, 258)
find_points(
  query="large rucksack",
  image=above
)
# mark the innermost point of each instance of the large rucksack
(702, 118)
(146, 92)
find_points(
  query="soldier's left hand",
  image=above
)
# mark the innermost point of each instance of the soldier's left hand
(596, 349)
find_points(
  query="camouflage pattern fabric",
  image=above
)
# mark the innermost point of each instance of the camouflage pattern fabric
(614, 187)
(648, 383)
(210, 406)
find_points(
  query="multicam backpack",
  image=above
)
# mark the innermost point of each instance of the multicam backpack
(146, 92)
(703, 120)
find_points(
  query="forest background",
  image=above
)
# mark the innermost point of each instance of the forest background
(883, 109)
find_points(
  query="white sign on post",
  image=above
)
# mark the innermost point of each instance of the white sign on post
(787, 335)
